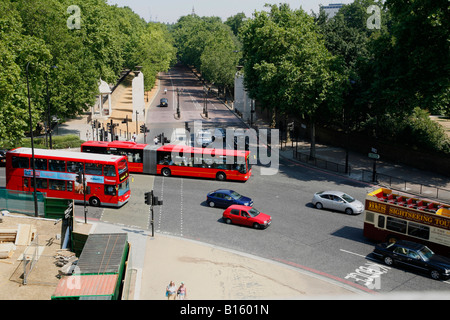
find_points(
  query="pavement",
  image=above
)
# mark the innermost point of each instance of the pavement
(215, 273)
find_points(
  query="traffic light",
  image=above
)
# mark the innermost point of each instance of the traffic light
(149, 198)
(142, 128)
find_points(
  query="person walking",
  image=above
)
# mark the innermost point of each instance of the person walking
(171, 291)
(181, 291)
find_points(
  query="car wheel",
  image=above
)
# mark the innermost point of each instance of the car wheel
(319, 205)
(165, 172)
(211, 204)
(388, 261)
(435, 274)
(221, 176)
(94, 202)
(349, 211)
(256, 225)
(228, 221)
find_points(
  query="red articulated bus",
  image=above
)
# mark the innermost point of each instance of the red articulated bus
(106, 176)
(178, 160)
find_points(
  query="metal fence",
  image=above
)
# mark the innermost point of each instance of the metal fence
(321, 163)
(21, 201)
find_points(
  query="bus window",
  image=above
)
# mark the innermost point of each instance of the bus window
(57, 184)
(381, 221)
(40, 183)
(57, 165)
(20, 162)
(93, 168)
(419, 231)
(40, 164)
(74, 166)
(109, 170)
(396, 225)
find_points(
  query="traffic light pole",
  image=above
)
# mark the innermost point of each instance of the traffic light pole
(151, 200)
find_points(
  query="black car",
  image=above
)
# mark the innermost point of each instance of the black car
(163, 102)
(3, 157)
(414, 255)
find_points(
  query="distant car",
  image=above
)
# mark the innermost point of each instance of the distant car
(337, 200)
(3, 157)
(414, 255)
(163, 102)
(225, 198)
(247, 216)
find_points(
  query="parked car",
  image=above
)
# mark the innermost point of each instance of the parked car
(337, 200)
(413, 255)
(247, 216)
(3, 157)
(163, 102)
(225, 198)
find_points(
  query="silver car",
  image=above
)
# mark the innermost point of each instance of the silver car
(337, 200)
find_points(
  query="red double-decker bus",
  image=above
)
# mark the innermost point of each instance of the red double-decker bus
(178, 160)
(56, 175)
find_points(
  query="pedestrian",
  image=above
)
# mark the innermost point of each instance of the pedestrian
(181, 292)
(134, 136)
(171, 291)
(156, 140)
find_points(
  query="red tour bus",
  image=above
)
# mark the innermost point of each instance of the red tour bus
(178, 160)
(56, 175)
(391, 216)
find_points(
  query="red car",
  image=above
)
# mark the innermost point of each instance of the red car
(247, 216)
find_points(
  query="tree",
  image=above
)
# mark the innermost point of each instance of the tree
(288, 68)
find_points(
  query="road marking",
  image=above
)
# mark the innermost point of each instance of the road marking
(181, 207)
(160, 207)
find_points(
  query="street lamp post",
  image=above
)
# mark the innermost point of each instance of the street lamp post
(36, 213)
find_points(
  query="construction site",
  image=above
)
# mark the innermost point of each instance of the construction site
(31, 258)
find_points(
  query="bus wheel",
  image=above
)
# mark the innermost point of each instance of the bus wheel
(95, 202)
(221, 176)
(165, 172)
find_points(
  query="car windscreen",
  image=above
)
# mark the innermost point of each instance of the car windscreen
(253, 212)
(348, 198)
(235, 195)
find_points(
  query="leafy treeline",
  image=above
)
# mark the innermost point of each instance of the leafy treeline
(69, 49)
(210, 46)
(337, 72)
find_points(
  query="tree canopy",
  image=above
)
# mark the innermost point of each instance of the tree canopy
(69, 48)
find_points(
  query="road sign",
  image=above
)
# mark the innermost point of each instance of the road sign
(374, 156)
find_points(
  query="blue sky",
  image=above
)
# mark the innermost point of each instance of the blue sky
(171, 10)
